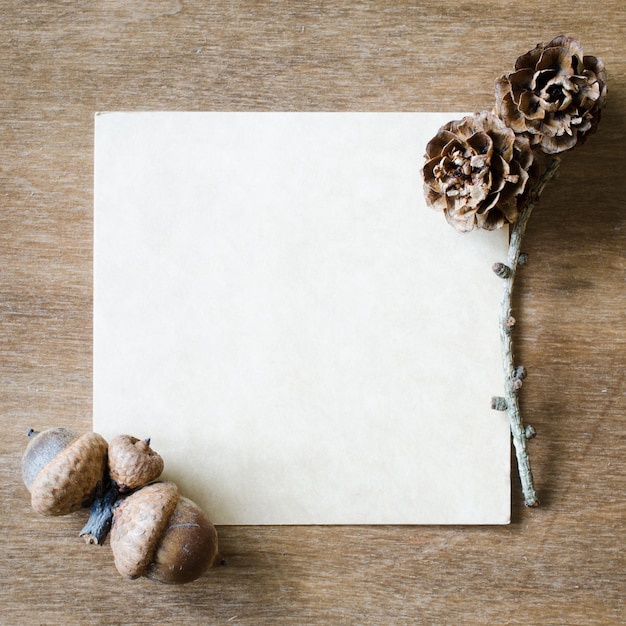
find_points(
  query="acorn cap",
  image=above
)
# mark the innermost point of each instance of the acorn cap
(138, 524)
(69, 481)
(132, 462)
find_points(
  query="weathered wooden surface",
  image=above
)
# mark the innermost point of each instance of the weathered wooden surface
(60, 61)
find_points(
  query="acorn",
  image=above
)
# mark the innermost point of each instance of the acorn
(163, 536)
(63, 470)
(133, 463)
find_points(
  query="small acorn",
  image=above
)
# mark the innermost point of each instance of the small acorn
(133, 463)
(163, 536)
(63, 470)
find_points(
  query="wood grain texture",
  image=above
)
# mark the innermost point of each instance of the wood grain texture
(62, 60)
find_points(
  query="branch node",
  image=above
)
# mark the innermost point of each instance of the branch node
(522, 259)
(510, 323)
(501, 270)
(520, 372)
(517, 383)
(530, 432)
(498, 403)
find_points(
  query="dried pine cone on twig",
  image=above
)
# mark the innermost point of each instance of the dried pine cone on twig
(485, 171)
(477, 172)
(554, 96)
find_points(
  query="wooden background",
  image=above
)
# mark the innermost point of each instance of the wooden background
(62, 60)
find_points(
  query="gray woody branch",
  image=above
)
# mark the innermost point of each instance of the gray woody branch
(513, 375)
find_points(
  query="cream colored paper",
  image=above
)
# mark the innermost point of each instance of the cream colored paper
(302, 338)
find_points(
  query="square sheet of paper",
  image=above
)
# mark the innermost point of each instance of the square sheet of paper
(302, 338)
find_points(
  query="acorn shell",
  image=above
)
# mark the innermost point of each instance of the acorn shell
(132, 462)
(188, 547)
(69, 481)
(161, 535)
(42, 448)
(138, 524)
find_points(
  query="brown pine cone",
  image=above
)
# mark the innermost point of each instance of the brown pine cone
(477, 172)
(554, 96)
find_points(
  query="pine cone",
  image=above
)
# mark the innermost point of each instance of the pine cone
(554, 96)
(477, 172)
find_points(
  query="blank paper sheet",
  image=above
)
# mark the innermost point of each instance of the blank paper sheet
(303, 340)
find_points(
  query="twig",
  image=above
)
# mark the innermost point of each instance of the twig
(513, 375)
(101, 516)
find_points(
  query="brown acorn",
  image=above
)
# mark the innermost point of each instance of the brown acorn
(133, 463)
(163, 536)
(63, 470)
